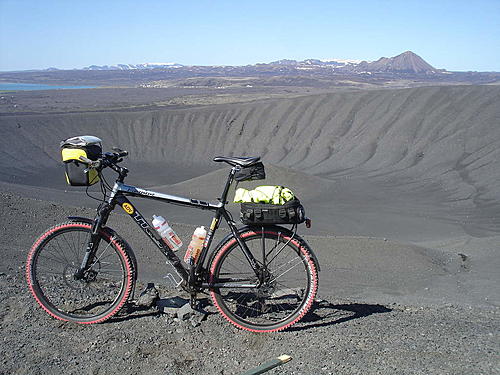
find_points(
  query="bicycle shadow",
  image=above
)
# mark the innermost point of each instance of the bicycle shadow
(322, 314)
(131, 311)
(325, 313)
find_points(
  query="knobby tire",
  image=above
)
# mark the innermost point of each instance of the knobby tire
(281, 301)
(51, 265)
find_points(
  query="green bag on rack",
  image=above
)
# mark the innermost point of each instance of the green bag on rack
(271, 194)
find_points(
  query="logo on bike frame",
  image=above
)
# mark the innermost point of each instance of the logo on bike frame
(128, 208)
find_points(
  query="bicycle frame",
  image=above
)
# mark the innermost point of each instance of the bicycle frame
(190, 276)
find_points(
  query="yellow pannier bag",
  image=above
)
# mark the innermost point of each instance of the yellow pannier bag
(77, 171)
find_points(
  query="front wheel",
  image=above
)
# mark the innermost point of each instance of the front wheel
(282, 291)
(93, 297)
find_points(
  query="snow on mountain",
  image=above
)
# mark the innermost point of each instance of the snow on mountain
(156, 65)
(284, 62)
(159, 65)
(342, 61)
(317, 62)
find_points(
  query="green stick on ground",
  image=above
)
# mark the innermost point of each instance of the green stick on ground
(265, 367)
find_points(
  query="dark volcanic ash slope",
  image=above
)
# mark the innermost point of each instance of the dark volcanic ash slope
(419, 164)
(433, 148)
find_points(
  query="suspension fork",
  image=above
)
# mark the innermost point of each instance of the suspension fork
(100, 221)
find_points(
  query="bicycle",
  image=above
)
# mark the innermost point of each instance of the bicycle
(260, 278)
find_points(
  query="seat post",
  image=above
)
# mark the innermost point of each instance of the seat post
(228, 184)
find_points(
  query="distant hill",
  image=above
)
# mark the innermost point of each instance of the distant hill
(407, 62)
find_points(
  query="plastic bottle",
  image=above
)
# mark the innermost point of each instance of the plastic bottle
(194, 249)
(167, 233)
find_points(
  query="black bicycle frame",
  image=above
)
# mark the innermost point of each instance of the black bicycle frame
(119, 196)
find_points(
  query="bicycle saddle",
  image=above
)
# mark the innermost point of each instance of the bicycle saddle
(241, 161)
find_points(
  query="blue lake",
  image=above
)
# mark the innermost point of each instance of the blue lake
(35, 86)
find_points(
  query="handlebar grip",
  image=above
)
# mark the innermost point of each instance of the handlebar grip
(119, 152)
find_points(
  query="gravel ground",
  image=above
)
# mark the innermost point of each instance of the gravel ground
(341, 336)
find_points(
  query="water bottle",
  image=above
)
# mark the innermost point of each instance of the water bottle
(167, 233)
(194, 249)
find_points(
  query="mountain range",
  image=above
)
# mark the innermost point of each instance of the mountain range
(407, 62)
(404, 70)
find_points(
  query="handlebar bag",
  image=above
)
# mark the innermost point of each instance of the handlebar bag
(77, 172)
(291, 212)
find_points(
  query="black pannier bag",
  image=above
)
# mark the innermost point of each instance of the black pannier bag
(77, 172)
(291, 212)
(253, 172)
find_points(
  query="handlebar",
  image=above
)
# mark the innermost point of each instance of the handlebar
(108, 159)
(121, 153)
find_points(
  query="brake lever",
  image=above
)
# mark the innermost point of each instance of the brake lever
(91, 164)
(85, 160)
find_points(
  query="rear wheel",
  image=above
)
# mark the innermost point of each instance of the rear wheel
(282, 292)
(93, 297)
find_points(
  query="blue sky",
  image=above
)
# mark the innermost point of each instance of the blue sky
(455, 35)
